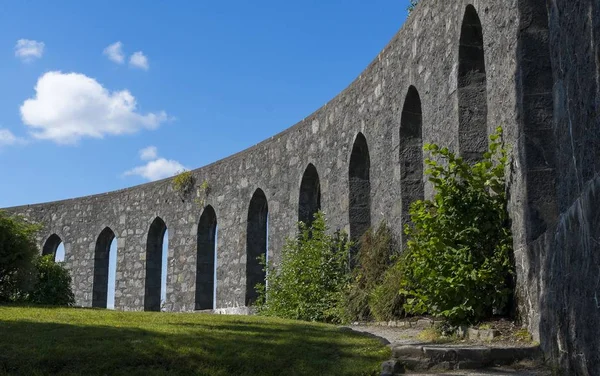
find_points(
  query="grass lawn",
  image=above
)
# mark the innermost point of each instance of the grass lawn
(68, 341)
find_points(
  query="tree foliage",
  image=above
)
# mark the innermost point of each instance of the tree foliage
(53, 283)
(17, 252)
(457, 263)
(311, 276)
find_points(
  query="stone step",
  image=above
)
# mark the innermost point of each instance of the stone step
(439, 358)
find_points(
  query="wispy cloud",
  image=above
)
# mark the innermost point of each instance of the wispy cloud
(114, 52)
(28, 50)
(139, 60)
(149, 153)
(7, 138)
(156, 168)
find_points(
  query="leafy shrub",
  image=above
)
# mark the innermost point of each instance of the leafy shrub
(457, 263)
(385, 301)
(53, 283)
(312, 274)
(375, 253)
(17, 251)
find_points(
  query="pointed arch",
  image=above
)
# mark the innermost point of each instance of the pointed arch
(154, 254)
(310, 195)
(256, 243)
(535, 102)
(205, 260)
(472, 88)
(51, 245)
(101, 264)
(411, 152)
(359, 182)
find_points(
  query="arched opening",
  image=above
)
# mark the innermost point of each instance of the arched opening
(411, 153)
(310, 195)
(359, 188)
(112, 274)
(535, 101)
(205, 259)
(256, 243)
(102, 255)
(51, 246)
(154, 265)
(472, 89)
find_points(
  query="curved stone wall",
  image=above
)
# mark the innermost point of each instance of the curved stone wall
(539, 79)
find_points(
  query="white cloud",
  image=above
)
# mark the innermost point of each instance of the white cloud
(139, 60)
(115, 52)
(158, 169)
(28, 50)
(149, 153)
(70, 106)
(7, 138)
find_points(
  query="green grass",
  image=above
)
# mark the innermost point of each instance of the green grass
(65, 341)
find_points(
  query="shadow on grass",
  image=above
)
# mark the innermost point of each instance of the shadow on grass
(34, 348)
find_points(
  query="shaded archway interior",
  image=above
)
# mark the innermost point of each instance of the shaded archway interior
(256, 244)
(101, 267)
(472, 89)
(154, 249)
(205, 259)
(536, 102)
(359, 188)
(51, 245)
(310, 195)
(411, 153)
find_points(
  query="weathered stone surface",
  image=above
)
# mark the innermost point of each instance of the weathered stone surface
(539, 79)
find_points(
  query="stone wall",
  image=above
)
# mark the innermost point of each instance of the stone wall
(558, 259)
(539, 79)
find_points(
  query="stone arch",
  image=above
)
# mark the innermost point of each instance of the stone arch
(535, 102)
(359, 188)
(411, 152)
(205, 259)
(51, 245)
(310, 195)
(101, 265)
(256, 243)
(154, 250)
(472, 89)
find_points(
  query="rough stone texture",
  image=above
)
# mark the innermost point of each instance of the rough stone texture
(541, 81)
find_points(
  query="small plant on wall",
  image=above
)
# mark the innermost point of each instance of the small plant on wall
(183, 184)
(202, 194)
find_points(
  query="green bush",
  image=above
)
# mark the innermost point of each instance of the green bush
(385, 301)
(375, 253)
(311, 277)
(53, 283)
(457, 263)
(17, 251)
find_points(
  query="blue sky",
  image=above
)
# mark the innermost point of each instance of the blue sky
(191, 82)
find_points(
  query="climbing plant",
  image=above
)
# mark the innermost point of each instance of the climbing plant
(412, 5)
(457, 263)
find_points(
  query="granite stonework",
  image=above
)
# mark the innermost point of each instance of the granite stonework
(541, 81)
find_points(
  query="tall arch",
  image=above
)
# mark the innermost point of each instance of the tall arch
(205, 260)
(154, 250)
(536, 104)
(411, 152)
(101, 266)
(472, 89)
(310, 195)
(256, 243)
(51, 245)
(359, 188)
